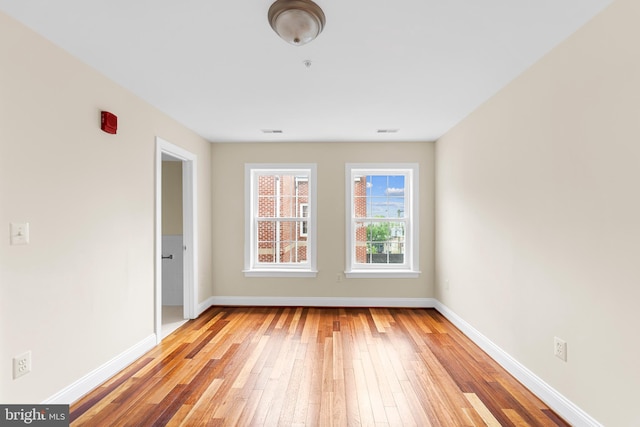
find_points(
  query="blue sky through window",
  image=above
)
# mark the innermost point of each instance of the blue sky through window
(385, 196)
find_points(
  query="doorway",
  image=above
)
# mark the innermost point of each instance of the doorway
(176, 245)
(173, 315)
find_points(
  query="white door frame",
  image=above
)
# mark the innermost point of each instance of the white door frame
(189, 228)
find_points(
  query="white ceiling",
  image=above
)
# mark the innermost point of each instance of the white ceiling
(418, 66)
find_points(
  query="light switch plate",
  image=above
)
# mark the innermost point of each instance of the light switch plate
(19, 233)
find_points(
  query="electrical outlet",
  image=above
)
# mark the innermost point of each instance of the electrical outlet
(560, 348)
(21, 365)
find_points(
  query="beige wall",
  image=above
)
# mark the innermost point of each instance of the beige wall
(82, 291)
(538, 216)
(228, 162)
(171, 198)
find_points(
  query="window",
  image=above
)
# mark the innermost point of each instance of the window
(382, 220)
(280, 220)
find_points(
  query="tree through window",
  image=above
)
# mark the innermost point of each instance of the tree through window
(382, 218)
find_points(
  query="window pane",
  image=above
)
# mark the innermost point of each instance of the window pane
(279, 242)
(266, 207)
(302, 196)
(266, 242)
(266, 252)
(360, 242)
(360, 196)
(384, 197)
(360, 207)
(379, 242)
(378, 207)
(266, 185)
(376, 185)
(285, 192)
(293, 251)
(395, 196)
(280, 195)
(287, 206)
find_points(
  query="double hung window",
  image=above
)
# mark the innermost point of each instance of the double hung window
(382, 220)
(280, 220)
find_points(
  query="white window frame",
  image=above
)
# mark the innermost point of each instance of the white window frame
(251, 267)
(304, 233)
(410, 268)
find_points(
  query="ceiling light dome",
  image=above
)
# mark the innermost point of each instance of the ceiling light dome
(296, 21)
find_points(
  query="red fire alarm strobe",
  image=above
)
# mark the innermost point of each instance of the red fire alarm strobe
(109, 122)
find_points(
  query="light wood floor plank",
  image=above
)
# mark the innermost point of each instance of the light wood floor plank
(482, 410)
(364, 401)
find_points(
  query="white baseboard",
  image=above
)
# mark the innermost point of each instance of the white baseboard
(203, 306)
(96, 377)
(323, 302)
(556, 401)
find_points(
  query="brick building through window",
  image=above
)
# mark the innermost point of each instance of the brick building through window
(283, 201)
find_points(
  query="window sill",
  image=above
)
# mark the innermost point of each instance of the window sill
(382, 274)
(280, 273)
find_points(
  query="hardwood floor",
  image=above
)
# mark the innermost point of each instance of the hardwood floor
(314, 366)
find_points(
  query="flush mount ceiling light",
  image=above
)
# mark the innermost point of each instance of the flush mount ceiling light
(296, 21)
